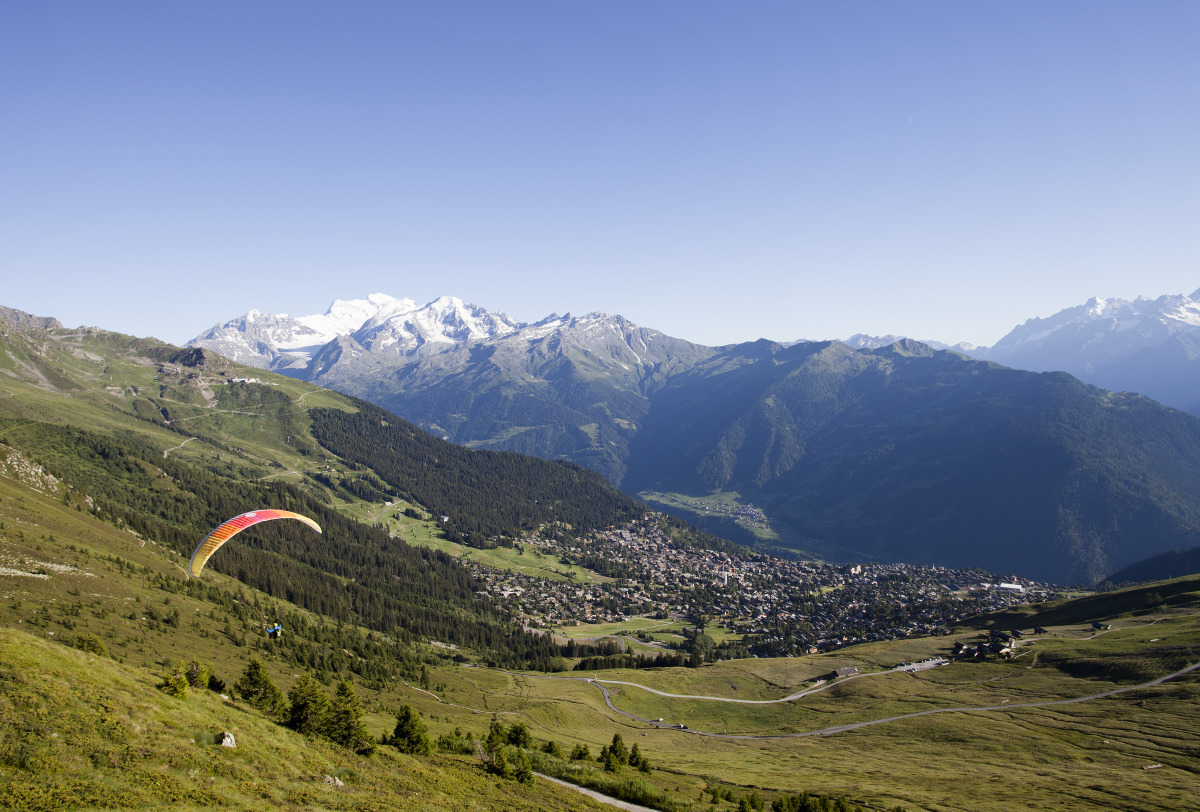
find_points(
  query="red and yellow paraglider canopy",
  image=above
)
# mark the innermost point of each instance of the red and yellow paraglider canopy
(213, 541)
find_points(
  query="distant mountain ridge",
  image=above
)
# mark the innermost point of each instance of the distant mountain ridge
(862, 341)
(922, 455)
(24, 321)
(1149, 346)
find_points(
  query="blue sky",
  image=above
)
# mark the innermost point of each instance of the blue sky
(718, 171)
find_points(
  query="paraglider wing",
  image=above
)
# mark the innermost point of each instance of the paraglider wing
(231, 528)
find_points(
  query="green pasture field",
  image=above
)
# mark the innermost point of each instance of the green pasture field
(688, 503)
(119, 743)
(1064, 754)
(668, 632)
(500, 558)
(381, 513)
(658, 629)
(1081, 756)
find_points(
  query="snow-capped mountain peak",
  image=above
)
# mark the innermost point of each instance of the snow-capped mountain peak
(1096, 307)
(280, 341)
(342, 318)
(446, 321)
(345, 316)
(378, 323)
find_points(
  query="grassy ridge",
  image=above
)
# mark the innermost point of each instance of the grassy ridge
(77, 729)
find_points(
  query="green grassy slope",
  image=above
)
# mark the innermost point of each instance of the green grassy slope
(1091, 755)
(251, 425)
(78, 730)
(81, 731)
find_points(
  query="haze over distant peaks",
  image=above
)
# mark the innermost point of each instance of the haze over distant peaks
(1150, 346)
(862, 341)
(1141, 323)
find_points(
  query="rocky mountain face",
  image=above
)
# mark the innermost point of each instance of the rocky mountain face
(1149, 346)
(899, 451)
(24, 321)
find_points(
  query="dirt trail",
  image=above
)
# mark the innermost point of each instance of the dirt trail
(177, 447)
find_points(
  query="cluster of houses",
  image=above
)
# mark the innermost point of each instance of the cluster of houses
(777, 607)
(746, 515)
(1000, 644)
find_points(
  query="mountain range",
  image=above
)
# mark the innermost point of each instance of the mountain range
(897, 451)
(1149, 346)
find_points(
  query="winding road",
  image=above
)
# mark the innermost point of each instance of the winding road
(829, 731)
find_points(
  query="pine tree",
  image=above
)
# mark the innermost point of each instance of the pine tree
(198, 675)
(499, 765)
(635, 756)
(345, 721)
(410, 734)
(618, 749)
(518, 735)
(175, 683)
(255, 686)
(309, 711)
(522, 768)
(497, 737)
